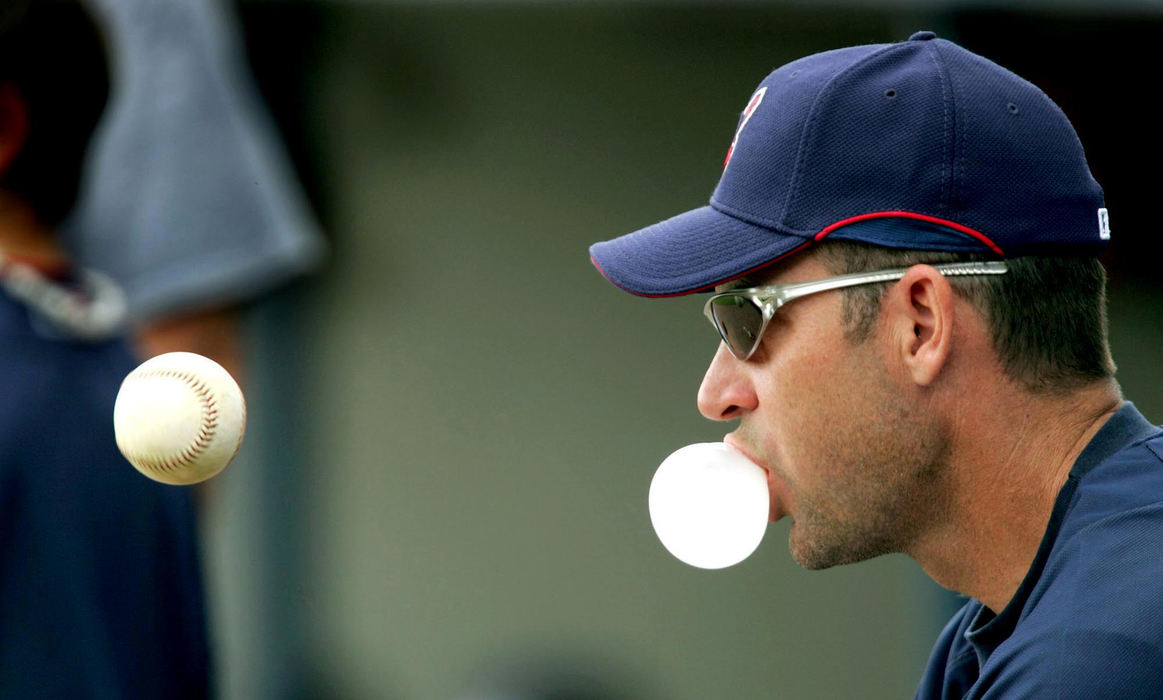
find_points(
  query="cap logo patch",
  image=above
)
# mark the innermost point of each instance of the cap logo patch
(752, 105)
(1104, 225)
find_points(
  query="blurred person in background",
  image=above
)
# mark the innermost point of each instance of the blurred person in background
(101, 590)
(189, 201)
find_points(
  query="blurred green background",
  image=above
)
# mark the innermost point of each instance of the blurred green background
(455, 424)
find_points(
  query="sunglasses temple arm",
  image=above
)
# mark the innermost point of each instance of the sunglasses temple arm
(794, 291)
(800, 289)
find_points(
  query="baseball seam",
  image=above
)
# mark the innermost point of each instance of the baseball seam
(206, 432)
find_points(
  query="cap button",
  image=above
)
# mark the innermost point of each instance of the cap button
(923, 36)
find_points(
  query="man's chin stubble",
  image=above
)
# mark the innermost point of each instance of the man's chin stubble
(838, 550)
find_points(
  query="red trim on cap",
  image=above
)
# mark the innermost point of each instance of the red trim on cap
(912, 215)
(818, 237)
(704, 288)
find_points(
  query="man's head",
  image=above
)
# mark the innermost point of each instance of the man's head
(890, 157)
(53, 89)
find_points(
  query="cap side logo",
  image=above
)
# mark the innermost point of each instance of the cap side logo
(1104, 225)
(752, 105)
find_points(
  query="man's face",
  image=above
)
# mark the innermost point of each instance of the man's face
(851, 453)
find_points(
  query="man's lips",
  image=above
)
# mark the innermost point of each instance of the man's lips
(776, 489)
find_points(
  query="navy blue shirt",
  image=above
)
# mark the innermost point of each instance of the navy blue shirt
(100, 587)
(1087, 620)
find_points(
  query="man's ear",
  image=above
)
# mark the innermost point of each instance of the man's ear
(13, 124)
(920, 316)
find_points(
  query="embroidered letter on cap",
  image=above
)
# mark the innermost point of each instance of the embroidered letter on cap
(1104, 224)
(751, 107)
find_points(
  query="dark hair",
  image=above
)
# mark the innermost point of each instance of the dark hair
(53, 53)
(1047, 315)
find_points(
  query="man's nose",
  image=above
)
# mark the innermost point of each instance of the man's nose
(726, 392)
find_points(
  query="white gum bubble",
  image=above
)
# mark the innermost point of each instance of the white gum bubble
(709, 505)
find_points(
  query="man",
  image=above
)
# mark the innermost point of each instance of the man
(961, 407)
(100, 586)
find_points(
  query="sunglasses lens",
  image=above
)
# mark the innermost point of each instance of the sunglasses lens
(739, 321)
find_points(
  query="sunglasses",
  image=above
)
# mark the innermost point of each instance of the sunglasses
(741, 315)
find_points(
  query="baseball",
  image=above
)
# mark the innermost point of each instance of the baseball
(179, 418)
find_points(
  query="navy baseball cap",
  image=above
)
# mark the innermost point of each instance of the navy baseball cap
(918, 145)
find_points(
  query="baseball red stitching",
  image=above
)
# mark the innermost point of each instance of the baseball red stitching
(205, 433)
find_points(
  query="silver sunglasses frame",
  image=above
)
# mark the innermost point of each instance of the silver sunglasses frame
(770, 298)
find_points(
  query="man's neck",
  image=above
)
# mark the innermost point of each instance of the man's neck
(1003, 489)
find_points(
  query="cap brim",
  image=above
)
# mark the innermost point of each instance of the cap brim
(689, 253)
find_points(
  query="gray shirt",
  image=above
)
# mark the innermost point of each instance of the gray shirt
(189, 200)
